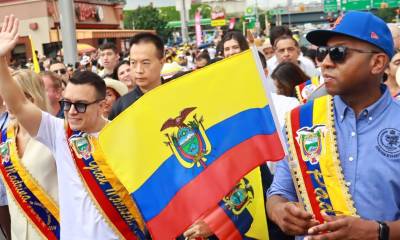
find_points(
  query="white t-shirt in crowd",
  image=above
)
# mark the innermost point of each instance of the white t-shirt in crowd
(282, 105)
(80, 218)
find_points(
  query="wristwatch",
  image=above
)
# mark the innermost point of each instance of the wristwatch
(383, 231)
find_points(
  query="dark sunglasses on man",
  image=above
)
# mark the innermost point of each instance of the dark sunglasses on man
(337, 54)
(80, 107)
(61, 71)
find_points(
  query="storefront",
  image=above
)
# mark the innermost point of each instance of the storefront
(97, 21)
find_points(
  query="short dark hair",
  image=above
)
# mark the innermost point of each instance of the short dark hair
(55, 61)
(108, 45)
(92, 79)
(115, 72)
(147, 37)
(263, 59)
(284, 37)
(278, 31)
(237, 36)
(203, 55)
(288, 75)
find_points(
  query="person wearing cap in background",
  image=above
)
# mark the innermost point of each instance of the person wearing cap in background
(365, 151)
(267, 49)
(115, 89)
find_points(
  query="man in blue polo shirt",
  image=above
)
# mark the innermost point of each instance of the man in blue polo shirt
(354, 55)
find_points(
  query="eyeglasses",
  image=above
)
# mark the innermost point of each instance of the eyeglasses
(338, 53)
(61, 71)
(80, 107)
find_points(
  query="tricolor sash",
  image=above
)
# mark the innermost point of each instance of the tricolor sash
(304, 90)
(38, 207)
(241, 213)
(109, 195)
(314, 160)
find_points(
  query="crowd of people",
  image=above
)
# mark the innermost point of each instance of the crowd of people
(341, 93)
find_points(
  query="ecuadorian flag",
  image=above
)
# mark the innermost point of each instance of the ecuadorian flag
(182, 147)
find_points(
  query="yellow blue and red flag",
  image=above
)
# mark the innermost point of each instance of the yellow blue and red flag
(183, 146)
(36, 67)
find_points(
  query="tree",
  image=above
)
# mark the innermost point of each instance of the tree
(170, 14)
(148, 18)
(387, 14)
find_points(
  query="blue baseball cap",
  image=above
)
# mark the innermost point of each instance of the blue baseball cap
(363, 26)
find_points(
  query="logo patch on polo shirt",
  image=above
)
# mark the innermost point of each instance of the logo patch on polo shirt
(389, 143)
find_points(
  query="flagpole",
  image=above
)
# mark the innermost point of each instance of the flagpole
(269, 97)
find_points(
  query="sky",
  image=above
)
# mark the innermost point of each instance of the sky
(132, 4)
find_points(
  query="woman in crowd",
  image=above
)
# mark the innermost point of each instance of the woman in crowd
(35, 166)
(287, 76)
(115, 90)
(232, 43)
(122, 72)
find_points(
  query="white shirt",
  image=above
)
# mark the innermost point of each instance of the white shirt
(80, 218)
(282, 105)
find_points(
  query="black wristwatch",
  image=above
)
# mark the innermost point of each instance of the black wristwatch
(383, 231)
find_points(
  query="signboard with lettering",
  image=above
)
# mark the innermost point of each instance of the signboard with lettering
(277, 11)
(330, 6)
(218, 17)
(85, 11)
(347, 5)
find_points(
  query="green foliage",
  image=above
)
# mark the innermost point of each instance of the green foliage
(204, 8)
(387, 14)
(128, 19)
(146, 18)
(169, 14)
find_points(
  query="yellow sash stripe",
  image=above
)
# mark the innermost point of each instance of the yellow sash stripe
(29, 181)
(315, 81)
(329, 160)
(98, 155)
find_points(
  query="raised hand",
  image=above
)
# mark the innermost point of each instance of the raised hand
(8, 34)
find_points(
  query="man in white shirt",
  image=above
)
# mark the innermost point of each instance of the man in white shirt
(83, 106)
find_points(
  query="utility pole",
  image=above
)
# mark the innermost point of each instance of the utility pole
(68, 32)
(289, 6)
(257, 21)
(184, 29)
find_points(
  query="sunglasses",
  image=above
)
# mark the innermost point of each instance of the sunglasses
(80, 107)
(60, 71)
(337, 54)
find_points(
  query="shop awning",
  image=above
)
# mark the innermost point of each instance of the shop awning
(55, 36)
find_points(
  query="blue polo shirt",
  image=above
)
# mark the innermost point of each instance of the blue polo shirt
(369, 152)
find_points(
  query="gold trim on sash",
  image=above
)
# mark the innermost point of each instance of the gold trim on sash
(103, 174)
(332, 194)
(45, 199)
